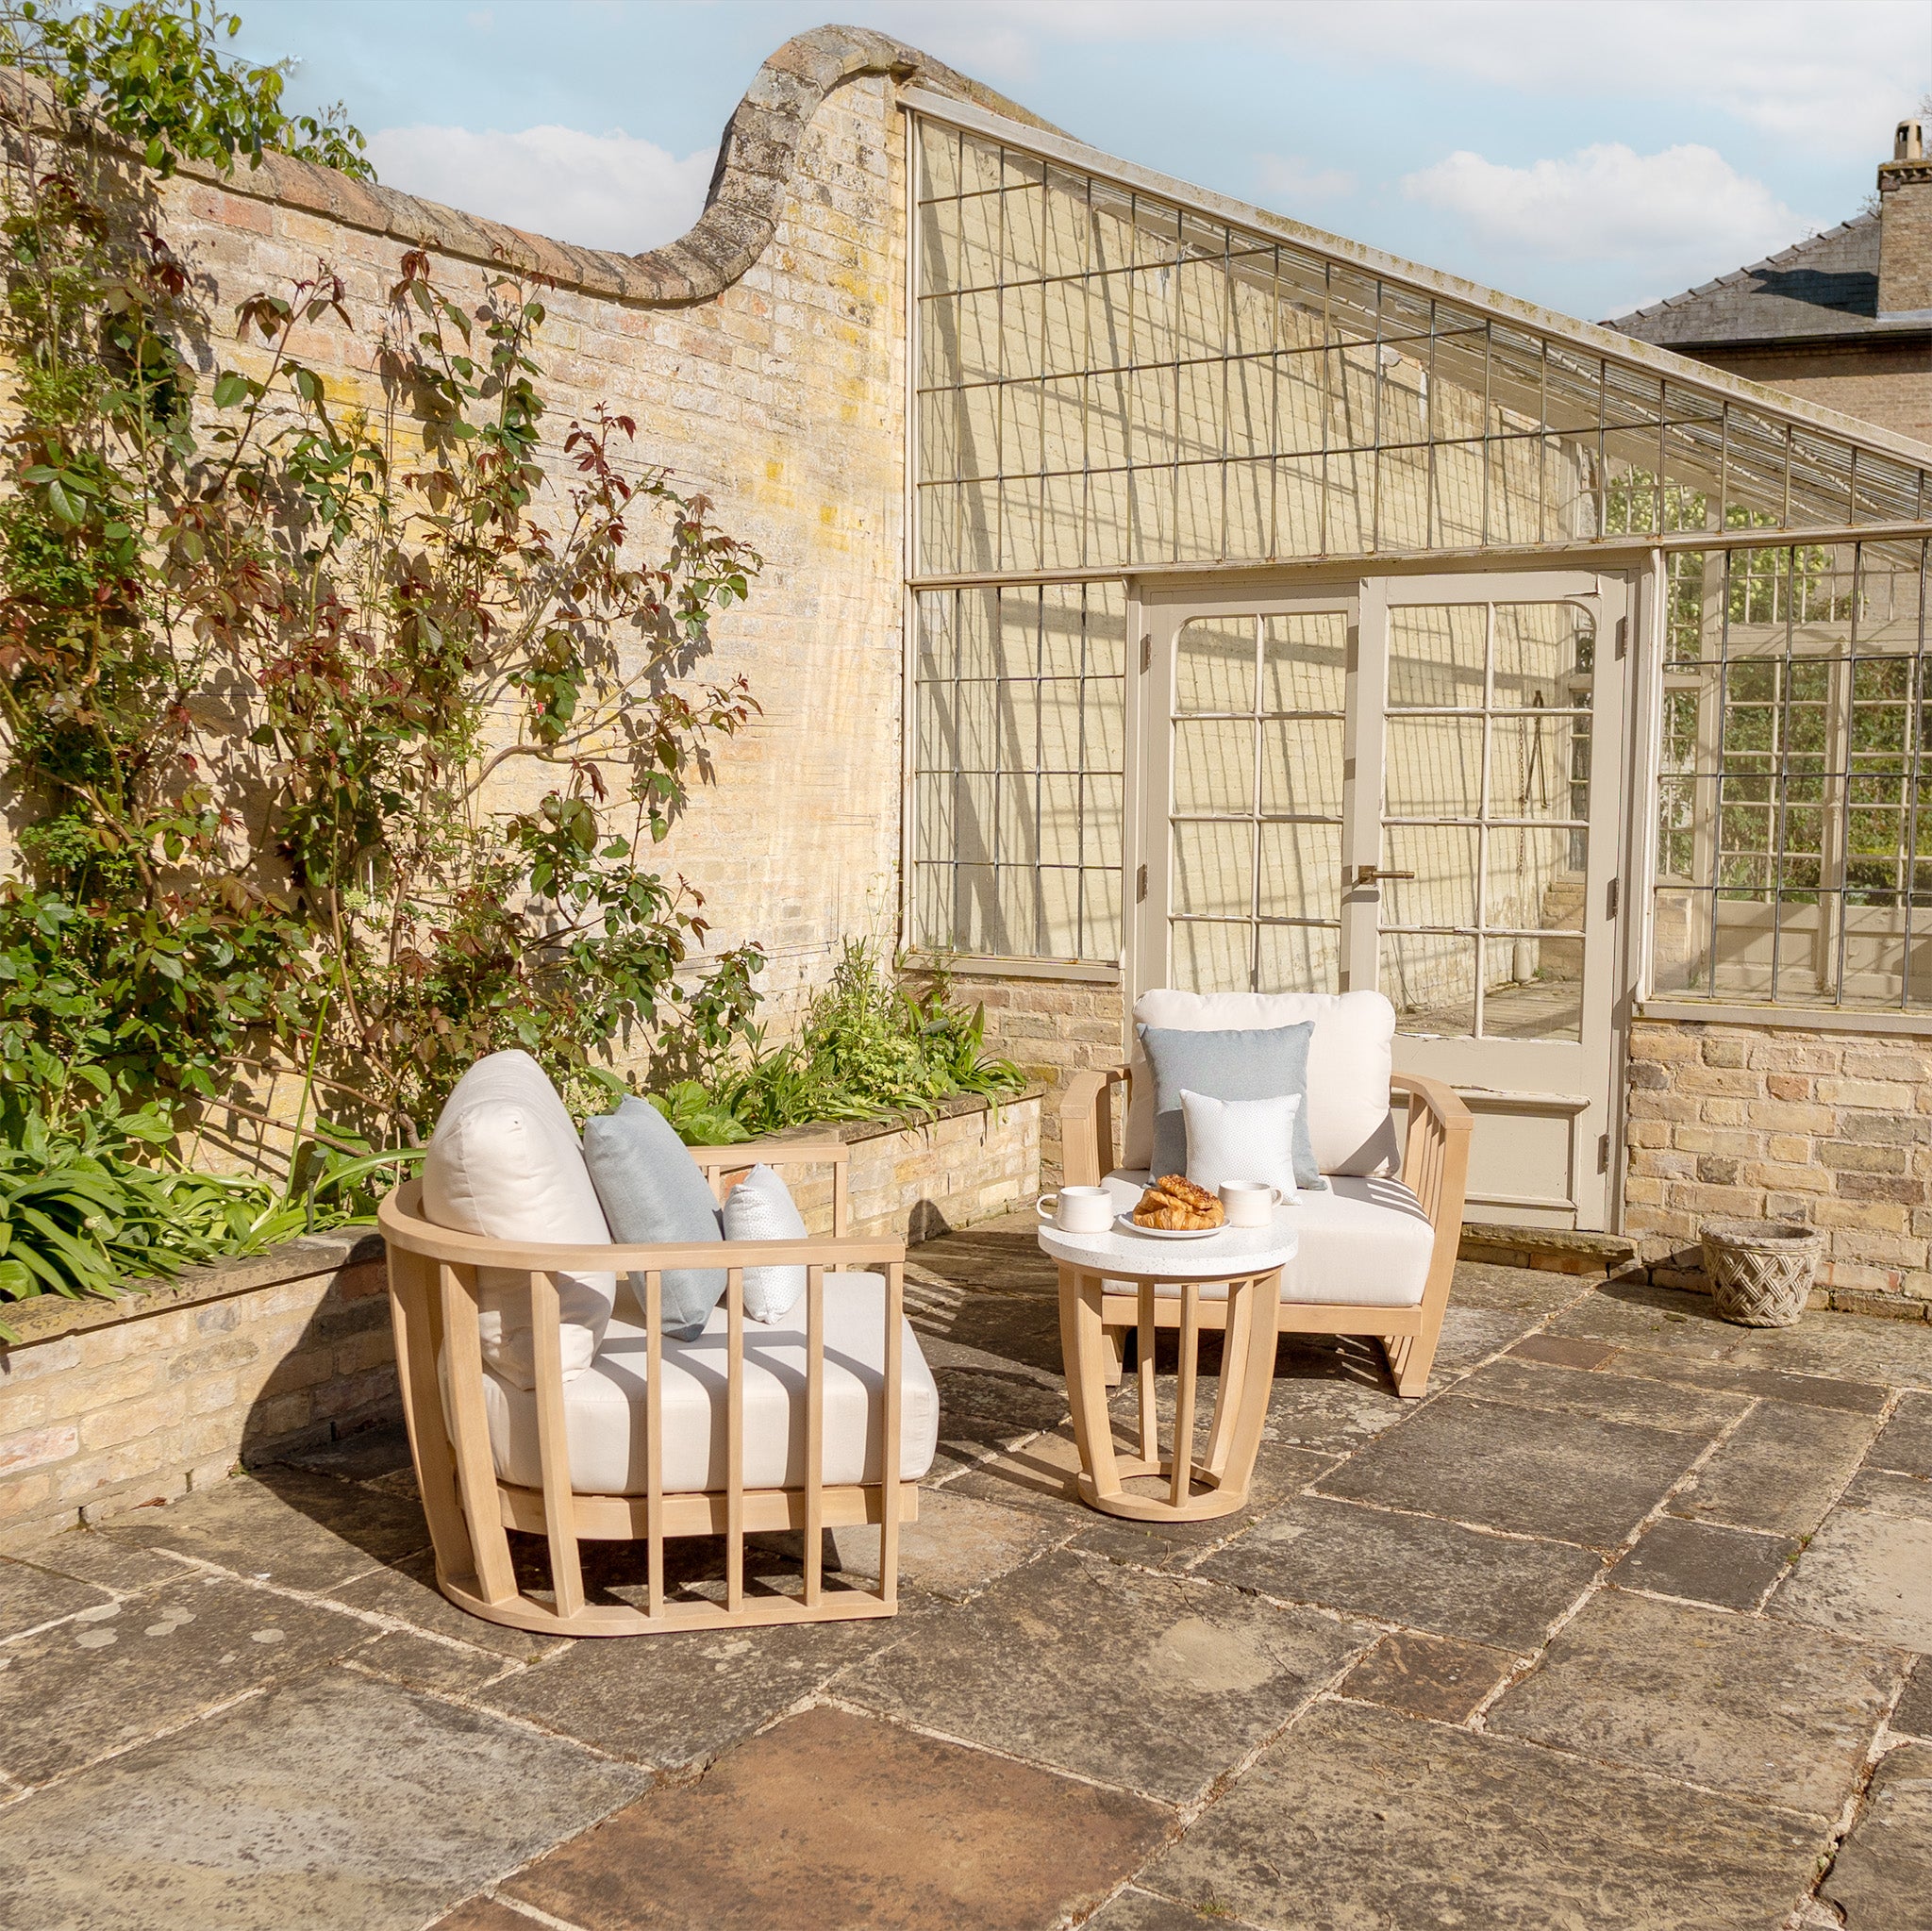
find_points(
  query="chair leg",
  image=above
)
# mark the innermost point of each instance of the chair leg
(1412, 1358)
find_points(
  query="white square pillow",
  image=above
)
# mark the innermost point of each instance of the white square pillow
(1241, 1142)
(506, 1162)
(1350, 1060)
(759, 1207)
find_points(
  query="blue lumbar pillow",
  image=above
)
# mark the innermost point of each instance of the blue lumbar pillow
(652, 1191)
(1268, 1063)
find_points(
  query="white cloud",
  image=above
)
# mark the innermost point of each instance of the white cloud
(1683, 212)
(600, 191)
(1296, 179)
(1830, 75)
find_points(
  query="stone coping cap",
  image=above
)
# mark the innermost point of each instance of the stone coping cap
(853, 1132)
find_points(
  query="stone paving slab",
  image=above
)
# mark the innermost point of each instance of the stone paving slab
(1780, 1471)
(1729, 1701)
(1634, 1314)
(1563, 1351)
(285, 1525)
(1536, 1291)
(1432, 1676)
(1409, 1569)
(1360, 1818)
(335, 1803)
(1850, 1347)
(1888, 1494)
(407, 1592)
(1866, 1577)
(1882, 1878)
(833, 1820)
(1608, 1397)
(114, 1675)
(90, 1555)
(1567, 1476)
(1702, 1562)
(1141, 1910)
(1801, 1390)
(674, 1701)
(485, 1914)
(1156, 1684)
(30, 1596)
(1904, 1443)
(1474, 1334)
(420, 1662)
(364, 1456)
(1330, 1400)
(1913, 1716)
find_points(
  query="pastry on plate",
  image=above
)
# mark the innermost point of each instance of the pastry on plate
(1175, 1204)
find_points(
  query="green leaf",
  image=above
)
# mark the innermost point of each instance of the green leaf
(230, 389)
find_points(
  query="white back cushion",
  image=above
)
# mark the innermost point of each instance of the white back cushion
(506, 1162)
(1350, 1060)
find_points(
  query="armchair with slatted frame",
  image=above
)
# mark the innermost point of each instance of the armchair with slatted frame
(433, 1278)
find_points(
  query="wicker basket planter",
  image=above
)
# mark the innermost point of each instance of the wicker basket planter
(1760, 1271)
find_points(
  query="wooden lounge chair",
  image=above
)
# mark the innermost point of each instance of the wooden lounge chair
(433, 1276)
(1435, 1166)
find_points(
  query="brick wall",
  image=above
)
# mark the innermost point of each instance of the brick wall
(1833, 1128)
(106, 1404)
(1051, 1029)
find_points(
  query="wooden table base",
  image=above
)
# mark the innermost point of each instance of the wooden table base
(1198, 1490)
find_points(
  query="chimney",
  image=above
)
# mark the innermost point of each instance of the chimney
(1905, 224)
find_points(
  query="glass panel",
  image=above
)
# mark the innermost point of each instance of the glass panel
(1298, 958)
(1212, 958)
(1433, 767)
(1304, 660)
(1301, 871)
(1436, 655)
(1214, 665)
(1533, 988)
(1545, 654)
(1538, 767)
(1301, 766)
(1443, 859)
(1213, 869)
(1213, 765)
(1430, 978)
(1531, 880)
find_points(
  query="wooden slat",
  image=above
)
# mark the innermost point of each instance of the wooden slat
(654, 1441)
(553, 1445)
(734, 1438)
(892, 1453)
(1184, 1391)
(414, 1315)
(475, 1467)
(625, 1518)
(814, 1432)
(1143, 1350)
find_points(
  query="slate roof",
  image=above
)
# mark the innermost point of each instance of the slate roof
(1824, 286)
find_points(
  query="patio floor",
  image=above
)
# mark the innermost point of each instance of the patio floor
(1619, 1627)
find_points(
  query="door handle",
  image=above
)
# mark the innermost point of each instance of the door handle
(1370, 874)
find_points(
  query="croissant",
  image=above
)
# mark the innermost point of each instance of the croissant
(1175, 1205)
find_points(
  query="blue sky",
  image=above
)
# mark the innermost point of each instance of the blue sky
(1586, 156)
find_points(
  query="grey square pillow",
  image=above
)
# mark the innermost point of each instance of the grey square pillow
(652, 1190)
(1268, 1063)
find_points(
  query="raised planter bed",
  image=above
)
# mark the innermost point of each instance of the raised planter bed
(106, 1406)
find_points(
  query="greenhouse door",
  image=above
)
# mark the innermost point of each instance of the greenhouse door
(1410, 783)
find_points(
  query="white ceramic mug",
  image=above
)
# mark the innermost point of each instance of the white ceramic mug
(1078, 1209)
(1248, 1205)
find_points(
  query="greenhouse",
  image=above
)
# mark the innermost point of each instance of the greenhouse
(1289, 617)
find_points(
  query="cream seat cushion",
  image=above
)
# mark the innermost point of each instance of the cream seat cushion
(603, 1408)
(1350, 1060)
(1364, 1244)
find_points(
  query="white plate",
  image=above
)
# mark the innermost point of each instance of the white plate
(1127, 1224)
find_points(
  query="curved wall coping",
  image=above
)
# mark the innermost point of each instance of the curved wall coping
(755, 162)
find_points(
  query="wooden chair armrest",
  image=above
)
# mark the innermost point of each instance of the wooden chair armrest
(1438, 1097)
(1087, 1148)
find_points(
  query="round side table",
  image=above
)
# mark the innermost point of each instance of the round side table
(1230, 1280)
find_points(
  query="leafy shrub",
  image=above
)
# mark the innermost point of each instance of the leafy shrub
(871, 1045)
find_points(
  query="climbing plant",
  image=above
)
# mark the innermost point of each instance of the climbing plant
(340, 713)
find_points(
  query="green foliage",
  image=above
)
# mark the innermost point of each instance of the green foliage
(155, 72)
(341, 732)
(102, 1203)
(871, 1045)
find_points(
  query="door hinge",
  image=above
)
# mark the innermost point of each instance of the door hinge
(1147, 651)
(1140, 885)
(1603, 1153)
(1622, 634)
(1610, 901)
